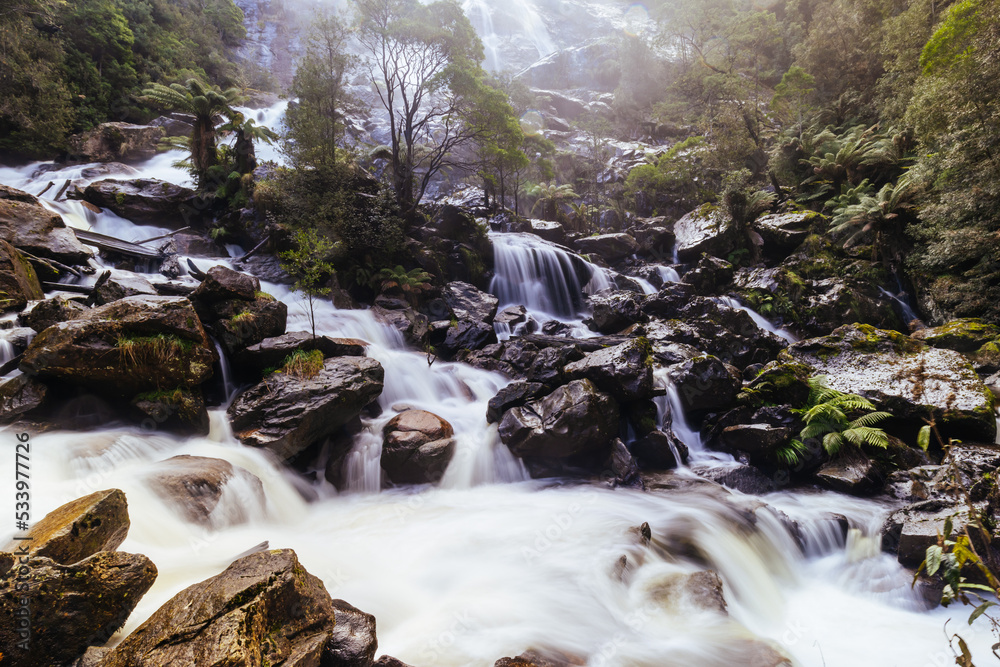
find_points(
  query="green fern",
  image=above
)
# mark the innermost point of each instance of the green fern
(832, 416)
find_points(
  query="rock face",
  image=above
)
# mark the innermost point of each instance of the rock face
(625, 371)
(417, 447)
(72, 606)
(612, 247)
(613, 311)
(856, 475)
(548, 230)
(903, 376)
(79, 529)
(116, 141)
(469, 303)
(286, 414)
(19, 396)
(574, 419)
(784, 232)
(263, 609)
(147, 201)
(705, 383)
(705, 230)
(138, 344)
(194, 485)
(26, 224)
(18, 282)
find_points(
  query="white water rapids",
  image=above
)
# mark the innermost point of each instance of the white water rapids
(489, 564)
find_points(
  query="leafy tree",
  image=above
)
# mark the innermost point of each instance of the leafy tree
(745, 204)
(424, 61)
(246, 132)
(550, 197)
(498, 141)
(308, 262)
(877, 217)
(315, 122)
(793, 97)
(205, 103)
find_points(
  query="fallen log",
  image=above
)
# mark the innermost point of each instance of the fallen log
(111, 244)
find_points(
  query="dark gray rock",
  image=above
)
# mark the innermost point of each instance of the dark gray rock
(625, 371)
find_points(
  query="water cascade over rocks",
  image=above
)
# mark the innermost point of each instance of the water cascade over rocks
(480, 561)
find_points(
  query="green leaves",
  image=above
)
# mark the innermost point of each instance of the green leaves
(833, 416)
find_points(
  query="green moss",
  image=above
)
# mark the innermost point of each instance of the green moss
(263, 296)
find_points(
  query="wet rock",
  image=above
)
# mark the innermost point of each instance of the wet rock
(611, 247)
(79, 529)
(575, 418)
(784, 232)
(548, 230)
(468, 303)
(669, 301)
(625, 371)
(699, 590)
(133, 345)
(555, 328)
(854, 474)
(705, 230)
(537, 658)
(655, 237)
(743, 478)
(705, 383)
(147, 201)
(18, 281)
(965, 335)
(612, 312)
(256, 321)
(513, 395)
(710, 275)
(122, 284)
(108, 169)
(73, 606)
(19, 337)
(389, 661)
(116, 141)
(222, 284)
(194, 485)
(910, 530)
(462, 335)
(272, 352)
(622, 467)
(903, 376)
(287, 414)
(26, 224)
(780, 383)
(20, 397)
(52, 311)
(512, 316)
(263, 609)
(173, 127)
(659, 450)
(417, 447)
(759, 441)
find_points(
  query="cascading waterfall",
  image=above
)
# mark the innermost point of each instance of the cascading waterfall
(228, 385)
(905, 309)
(758, 319)
(476, 569)
(481, 15)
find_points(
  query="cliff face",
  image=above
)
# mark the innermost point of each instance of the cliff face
(274, 41)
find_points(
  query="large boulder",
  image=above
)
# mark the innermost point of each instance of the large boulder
(705, 230)
(705, 383)
(574, 419)
(976, 339)
(548, 230)
(72, 606)
(417, 447)
(784, 232)
(625, 371)
(612, 247)
(264, 609)
(238, 314)
(122, 284)
(613, 311)
(134, 345)
(903, 376)
(147, 201)
(194, 485)
(26, 224)
(287, 413)
(116, 141)
(468, 303)
(18, 281)
(79, 529)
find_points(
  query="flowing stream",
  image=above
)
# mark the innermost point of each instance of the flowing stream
(490, 563)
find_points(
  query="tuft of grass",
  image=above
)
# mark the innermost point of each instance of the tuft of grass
(245, 317)
(151, 349)
(263, 296)
(302, 364)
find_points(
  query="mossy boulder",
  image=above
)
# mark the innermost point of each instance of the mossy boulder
(79, 529)
(707, 229)
(625, 371)
(264, 609)
(26, 224)
(130, 346)
(977, 339)
(148, 201)
(72, 606)
(180, 410)
(903, 376)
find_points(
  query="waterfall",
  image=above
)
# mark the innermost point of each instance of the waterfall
(668, 274)
(758, 319)
(905, 310)
(7, 351)
(537, 275)
(481, 16)
(228, 386)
